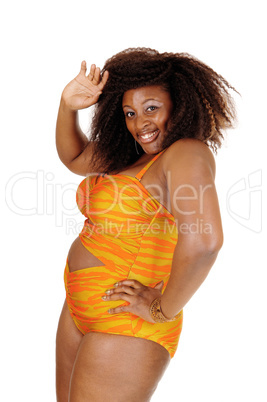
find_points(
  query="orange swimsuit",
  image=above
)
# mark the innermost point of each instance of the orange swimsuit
(134, 236)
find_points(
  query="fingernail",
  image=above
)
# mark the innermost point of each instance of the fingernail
(109, 311)
(116, 284)
(108, 291)
(104, 297)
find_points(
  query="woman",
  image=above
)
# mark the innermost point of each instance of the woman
(127, 277)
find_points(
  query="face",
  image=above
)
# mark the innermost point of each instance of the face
(147, 111)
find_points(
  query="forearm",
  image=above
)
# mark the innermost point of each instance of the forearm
(189, 270)
(70, 140)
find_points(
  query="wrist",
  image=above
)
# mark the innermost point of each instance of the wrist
(64, 106)
(156, 312)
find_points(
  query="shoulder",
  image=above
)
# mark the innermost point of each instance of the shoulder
(188, 153)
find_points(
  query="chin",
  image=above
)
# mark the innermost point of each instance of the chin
(152, 148)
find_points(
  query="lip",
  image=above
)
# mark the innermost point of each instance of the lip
(149, 139)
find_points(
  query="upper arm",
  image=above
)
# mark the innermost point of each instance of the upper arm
(190, 174)
(81, 165)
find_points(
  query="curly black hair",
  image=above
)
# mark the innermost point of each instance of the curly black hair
(202, 105)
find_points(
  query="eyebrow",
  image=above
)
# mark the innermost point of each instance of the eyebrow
(150, 99)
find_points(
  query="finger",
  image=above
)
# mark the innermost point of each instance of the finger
(83, 68)
(119, 309)
(104, 80)
(92, 72)
(129, 282)
(122, 289)
(118, 296)
(96, 78)
(96, 96)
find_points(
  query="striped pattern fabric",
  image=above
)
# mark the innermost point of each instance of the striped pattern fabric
(134, 237)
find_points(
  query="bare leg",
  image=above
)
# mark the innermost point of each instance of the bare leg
(117, 368)
(67, 344)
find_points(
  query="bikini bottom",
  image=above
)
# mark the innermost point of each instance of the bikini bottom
(84, 289)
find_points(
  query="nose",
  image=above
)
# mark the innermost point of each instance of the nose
(141, 122)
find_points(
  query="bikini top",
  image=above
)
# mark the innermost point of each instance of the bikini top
(119, 204)
(124, 219)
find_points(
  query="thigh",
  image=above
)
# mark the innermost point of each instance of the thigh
(68, 340)
(118, 368)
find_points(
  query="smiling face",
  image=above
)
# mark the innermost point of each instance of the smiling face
(147, 111)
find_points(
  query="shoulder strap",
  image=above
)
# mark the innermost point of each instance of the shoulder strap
(142, 172)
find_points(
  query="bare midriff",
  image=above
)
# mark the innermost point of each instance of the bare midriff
(79, 257)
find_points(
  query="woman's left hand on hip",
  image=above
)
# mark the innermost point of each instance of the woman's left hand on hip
(138, 296)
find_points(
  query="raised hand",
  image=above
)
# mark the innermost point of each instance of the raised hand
(84, 90)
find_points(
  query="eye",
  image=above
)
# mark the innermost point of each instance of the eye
(151, 108)
(129, 114)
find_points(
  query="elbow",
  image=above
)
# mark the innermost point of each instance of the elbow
(205, 246)
(215, 243)
(204, 243)
(211, 245)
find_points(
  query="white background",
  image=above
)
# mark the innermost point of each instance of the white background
(222, 352)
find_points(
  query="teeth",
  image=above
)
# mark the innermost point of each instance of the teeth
(148, 135)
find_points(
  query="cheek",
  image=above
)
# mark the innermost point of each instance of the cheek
(129, 126)
(164, 121)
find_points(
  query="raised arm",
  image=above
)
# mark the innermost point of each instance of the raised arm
(74, 148)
